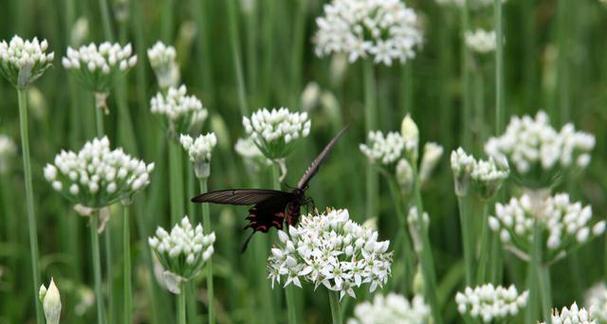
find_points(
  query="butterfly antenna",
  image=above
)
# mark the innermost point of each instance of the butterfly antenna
(246, 242)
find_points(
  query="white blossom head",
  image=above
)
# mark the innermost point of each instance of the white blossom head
(51, 302)
(481, 41)
(23, 61)
(276, 131)
(181, 111)
(97, 65)
(8, 150)
(430, 158)
(489, 303)
(200, 151)
(163, 60)
(246, 148)
(383, 149)
(537, 153)
(565, 225)
(97, 176)
(183, 252)
(330, 250)
(573, 315)
(596, 302)
(481, 177)
(382, 30)
(392, 308)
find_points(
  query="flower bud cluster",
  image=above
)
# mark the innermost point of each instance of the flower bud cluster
(51, 302)
(481, 41)
(596, 302)
(330, 250)
(488, 302)
(392, 308)
(24, 61)
(200, 152)
(163, 61)
(383, 149)
(97, 176)
(572, 315)
(432, 155)
(181, 110)
(483, 177)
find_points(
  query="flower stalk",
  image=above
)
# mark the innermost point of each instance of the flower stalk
(336, 315)
(94, 220)
(370, 124)
(126, 253)
(206, 223)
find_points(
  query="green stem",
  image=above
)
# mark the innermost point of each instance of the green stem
(465, 56)
(298, 43)
(176, 180)
(98, 119)
(97, 267)
(464, 217)
(370, 124)
(564, 14)
(235, 42)
(407, 252)
(543, 275)
(206, 222)
(126, 253)
(499, 68)
(181, 314)
(29, 199)
(484, 247)
(335, 308)
(105, 18)
(167, 21)
(291, 304)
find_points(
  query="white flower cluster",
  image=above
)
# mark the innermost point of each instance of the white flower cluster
(200, 152)
(246, 148)
(274, 131)
(432, 155)
(97, 176)
(385, 29)
(184, 251)
(488, 302)
(392, 308)
(536, 150)
(481, 41)
(572, 315)
(8, 149)
(596, 302)
(384, 149)
(484, 177)
(95, 65)
(163, 61)
(180, 109)
(330, 250)
(567, 224)
(24, 61)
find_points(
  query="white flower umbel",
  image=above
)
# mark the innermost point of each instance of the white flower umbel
(24, 61)
(51, 302)
(384, 30)
(8, 150)
(432, 155)
(537, 153)
(481, 41)
(488, 302)
(276, 131)
(181, 110)
(97, 176)
(200, 152)
(163, 61)
(182, 253)
(596, 302)
(392, 308)
(96, 65)
(383, 149)
(483, 177)
(565, 225)
(330, 250)
(572, 315)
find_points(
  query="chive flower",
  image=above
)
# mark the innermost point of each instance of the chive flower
(405, 176)
(383, 149)
(8, 150)
(430, 158)
(163, 61)
(182, 253)
(23, 61)
(572, 315)
(391, 308)
(330, 250)
(481, 41)
(538, 154)
(488, 302)
(481, 177)
(565, 225)
(596, 302)
(200, 151)
(384, 30)
(51, 302)
(97, 176)
(181, 111)
(276, 131)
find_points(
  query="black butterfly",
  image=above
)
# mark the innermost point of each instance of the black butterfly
(271, 208)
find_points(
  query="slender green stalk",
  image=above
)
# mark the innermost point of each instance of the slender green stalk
(543, 275)
(370, 124)
(465, 57)
(564, 15)
(401, 233)
(97, 267)
(298, 43)
(99, 127)
(291, 304)
(206, 222)
(176, 180)
(29, 199)
(499, 68)
(336, 315)
(181, 314)
(235, 44)
(167, 20)
(105, 18)
(126, 253)
(484, 247)
(467, 240)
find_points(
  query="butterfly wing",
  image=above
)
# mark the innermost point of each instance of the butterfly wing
(313, 168)
(241, 196)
